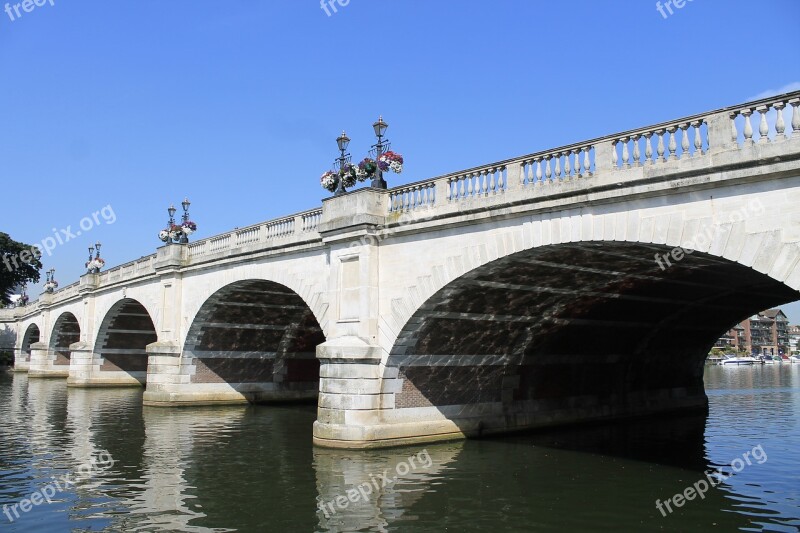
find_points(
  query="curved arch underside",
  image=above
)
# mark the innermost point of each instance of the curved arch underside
(66, 331)
(595, 325)
(123, 337)
(259, 336)
(32, 335)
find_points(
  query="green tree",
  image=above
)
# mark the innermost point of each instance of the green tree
(19, 263)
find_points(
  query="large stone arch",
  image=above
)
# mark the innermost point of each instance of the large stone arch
(742, 230)
(302, 276)
(251, 340)
(567, 316)
(22, 355)
(50, 357)
(118, 355)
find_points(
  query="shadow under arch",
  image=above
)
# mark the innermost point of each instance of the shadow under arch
(570, 333)
(23, 356)
(66, 330)
(124, 334)
(259, 338)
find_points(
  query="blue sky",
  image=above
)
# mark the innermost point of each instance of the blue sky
(237, 104)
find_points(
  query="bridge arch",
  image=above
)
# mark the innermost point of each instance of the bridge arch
(22, 357)
(555, 320)
(66, 330)
(255, 339)
(120, 346)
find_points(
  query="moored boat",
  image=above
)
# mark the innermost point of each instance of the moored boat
(738, 361)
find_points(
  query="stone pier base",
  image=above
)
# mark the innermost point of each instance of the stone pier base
(46, 364)
(21, 362)
(85, 371)
(358, 409)
(170, 383)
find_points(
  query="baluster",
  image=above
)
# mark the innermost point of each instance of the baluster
(698, 142)
(685, 141)
(493, 181)
(660, 147)
(463, 188)
(795, 117)
(558, 168)
(734, 132)
(637, 155)
(470, 187)
(614, 156)
(449, 189)
(648, 149)
(501, 179)
(587, 163)
(625, 154)
(485, 174)
(763, 127)
(576, 154)
(539, 171)
(547, 172)
(567, 168)
(673, 145)
(418, 195)
(780, 125)
(748, 127)
(528, 173)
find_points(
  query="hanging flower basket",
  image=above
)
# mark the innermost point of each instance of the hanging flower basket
(348, 175)
(328, 181)
(366, 169)
(175, 232)
(391, 161)
(163, 235)
(23, 300)
(188, 227)
(95, 264)
(50, 286)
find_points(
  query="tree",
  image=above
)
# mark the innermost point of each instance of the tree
(19, 263)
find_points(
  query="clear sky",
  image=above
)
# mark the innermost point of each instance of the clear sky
(236, 104)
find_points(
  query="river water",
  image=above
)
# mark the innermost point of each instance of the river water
(131, 468)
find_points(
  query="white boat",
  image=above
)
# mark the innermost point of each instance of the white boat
(794, 359)
(737, 361)
(768, 360)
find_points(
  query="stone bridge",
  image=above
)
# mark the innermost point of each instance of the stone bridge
(582, 283)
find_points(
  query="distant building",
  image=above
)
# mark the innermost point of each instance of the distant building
(794, 337)
(767, 333)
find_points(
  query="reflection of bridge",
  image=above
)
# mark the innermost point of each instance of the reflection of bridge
(518, 294)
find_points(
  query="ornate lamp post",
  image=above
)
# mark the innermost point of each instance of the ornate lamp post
(174, 233)
(185, 218)
(342, 141)
(171, 223)
(23, 297)
(94, 264)
(378, 148)
(381, 160)
(51, 284)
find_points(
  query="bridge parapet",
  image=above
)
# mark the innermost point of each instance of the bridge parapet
(668, 146)
(282, 231)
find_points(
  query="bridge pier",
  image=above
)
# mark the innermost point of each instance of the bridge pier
(364, 404)
(47, 363)
(21, 361)
(176, 379)
(85, 370)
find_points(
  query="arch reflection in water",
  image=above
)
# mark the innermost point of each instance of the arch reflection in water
(396, 478)
(172, 440)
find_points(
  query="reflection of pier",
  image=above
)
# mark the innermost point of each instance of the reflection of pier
(394, 482)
